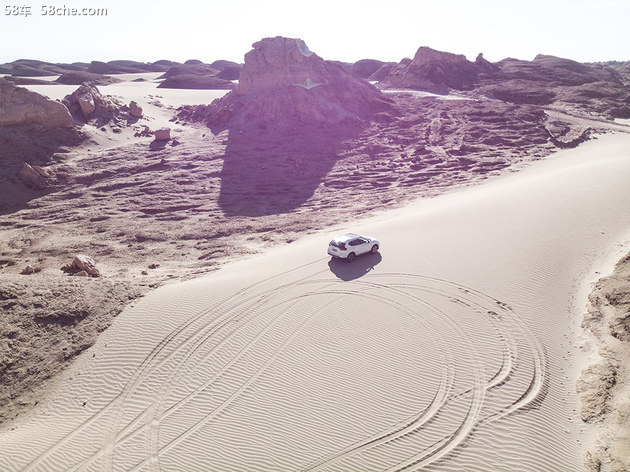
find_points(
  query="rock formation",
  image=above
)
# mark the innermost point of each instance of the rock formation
(366, 67)
(19, 106)
(549, 79)
(87, 103)
(283, 85)
(433, 71)
(78, 78)
(544, 81)
(196, 82)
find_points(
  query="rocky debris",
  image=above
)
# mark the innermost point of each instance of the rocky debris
(145, 133)
(283, 85)
(87, 104)
(566, 135)
(80, 77)
(19, 107)
(196, 82)
(162, 134)
(433, 71)
(135, 110)
(36, 177)
(28, 270)
(82, 266)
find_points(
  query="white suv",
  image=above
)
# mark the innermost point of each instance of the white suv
(348, 246)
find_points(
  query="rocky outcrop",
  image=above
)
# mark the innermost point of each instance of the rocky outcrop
(382, 72)
(87, 103)
(366, 67)
(549, 79)
(228, 70)
(283, 85)
(19, 106)
(80, 77)
(196, 82)
(123, 67)
(433, 71)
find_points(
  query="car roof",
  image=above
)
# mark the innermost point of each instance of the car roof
(346, 237)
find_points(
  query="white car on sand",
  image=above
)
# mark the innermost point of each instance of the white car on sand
(348, 246)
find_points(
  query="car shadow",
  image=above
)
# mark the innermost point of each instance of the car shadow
(355, 269)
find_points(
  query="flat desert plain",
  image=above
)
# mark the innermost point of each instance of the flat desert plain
(456, 347)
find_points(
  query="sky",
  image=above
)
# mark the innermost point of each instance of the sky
(344, 30)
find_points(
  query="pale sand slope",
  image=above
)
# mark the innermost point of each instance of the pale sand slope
(454, 349)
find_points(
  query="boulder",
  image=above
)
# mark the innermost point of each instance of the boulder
(84, 263)
(162, 134)
(19, 106)
(135, 110)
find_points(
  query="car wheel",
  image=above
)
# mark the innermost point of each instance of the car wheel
(351, 257)
(374, 249)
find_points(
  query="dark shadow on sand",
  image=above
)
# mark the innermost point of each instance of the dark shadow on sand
(357, 268)
(268, 172)
(34, 145)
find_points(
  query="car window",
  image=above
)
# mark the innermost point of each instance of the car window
(355, 242)
(337, 243)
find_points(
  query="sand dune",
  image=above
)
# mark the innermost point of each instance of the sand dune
(455, 348)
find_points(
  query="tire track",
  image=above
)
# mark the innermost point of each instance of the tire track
(425, 299)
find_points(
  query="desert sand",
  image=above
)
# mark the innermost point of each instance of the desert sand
(454, 348)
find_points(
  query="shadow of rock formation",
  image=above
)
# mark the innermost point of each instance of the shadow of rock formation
(265, 174)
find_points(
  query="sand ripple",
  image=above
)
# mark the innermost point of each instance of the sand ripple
(303, 371)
